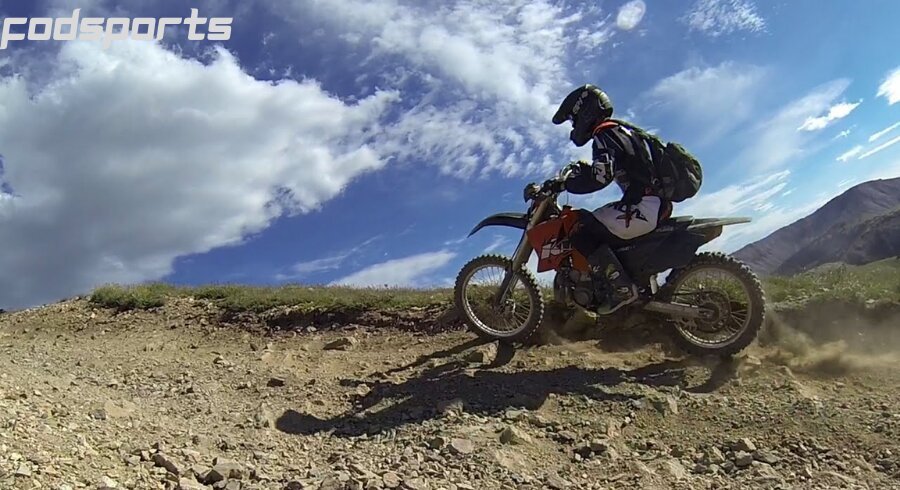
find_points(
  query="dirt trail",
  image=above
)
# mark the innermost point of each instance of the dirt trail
(172, 399)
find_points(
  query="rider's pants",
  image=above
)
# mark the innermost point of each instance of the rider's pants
(627, 222)
(616, 222)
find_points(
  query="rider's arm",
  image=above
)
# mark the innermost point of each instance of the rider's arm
(591, 177)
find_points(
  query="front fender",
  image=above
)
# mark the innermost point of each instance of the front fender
(513, 220)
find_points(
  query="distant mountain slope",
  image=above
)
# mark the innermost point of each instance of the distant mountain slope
(872, 239)
(847, 228)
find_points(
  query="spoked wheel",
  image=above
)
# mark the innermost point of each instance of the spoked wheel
(516, 317)
(731, 300)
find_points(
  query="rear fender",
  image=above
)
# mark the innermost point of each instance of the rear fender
(708, 233)
(712, 228)
(699, 224)
(512, 220)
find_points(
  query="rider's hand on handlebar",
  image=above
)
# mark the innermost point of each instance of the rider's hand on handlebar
(553, 185)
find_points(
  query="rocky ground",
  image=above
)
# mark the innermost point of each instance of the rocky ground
(172, 398)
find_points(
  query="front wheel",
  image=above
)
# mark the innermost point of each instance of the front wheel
(731, 295)
(517, 318)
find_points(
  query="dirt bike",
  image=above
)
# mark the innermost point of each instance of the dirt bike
(720, 315)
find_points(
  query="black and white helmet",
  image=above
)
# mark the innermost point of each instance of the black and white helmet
(586, 107)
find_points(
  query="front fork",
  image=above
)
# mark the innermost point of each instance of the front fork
(520, 257)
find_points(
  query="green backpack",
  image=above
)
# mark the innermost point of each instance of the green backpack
(674, 172)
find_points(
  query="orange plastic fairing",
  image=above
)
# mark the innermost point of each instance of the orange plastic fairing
(550, 240)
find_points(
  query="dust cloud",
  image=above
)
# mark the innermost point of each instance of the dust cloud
(827, 340)
(832, 340)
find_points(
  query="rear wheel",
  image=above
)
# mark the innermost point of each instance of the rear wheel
(731, 295)
(514, 320)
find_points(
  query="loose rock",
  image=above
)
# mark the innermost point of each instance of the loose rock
(667, 405)
(462, 446)
(765, 457)
(190, 484)
(483, 354)
(714, 456)
(744, 444)
(163, 461)
(391, 479)
(343, 343)
(743, 459)
(556, 482)
(512, 435)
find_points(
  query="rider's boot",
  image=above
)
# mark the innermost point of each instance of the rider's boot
(607, 267)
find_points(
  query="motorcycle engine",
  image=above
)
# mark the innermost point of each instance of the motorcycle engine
(583, 289)
(578, 287)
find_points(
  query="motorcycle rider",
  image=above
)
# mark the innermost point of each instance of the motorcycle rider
(615, 158)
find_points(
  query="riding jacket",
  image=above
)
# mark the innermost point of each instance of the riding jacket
(615, 158)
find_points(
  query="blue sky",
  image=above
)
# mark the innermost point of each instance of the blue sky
(358, 145)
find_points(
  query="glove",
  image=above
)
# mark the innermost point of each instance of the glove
(553, 185)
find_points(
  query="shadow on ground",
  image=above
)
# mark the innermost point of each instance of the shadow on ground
(485, 391)
(623, 332)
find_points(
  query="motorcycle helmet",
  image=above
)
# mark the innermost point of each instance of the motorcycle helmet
(586, 106)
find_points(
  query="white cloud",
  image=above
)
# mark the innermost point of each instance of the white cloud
(630, 14)
(846, 183)
(881, 147)
(852, 152)
(718, 17)
(890, 87)
(124, 159)
(755, 199)
(447, 138)
(837, 111)
(883, 132)
(775, 141)
(406, 272)
(842, 134)
(735, 237)
(302, 269)
(456, 241)
(590, 38)
(699, 97)
(492, 73)
(508, 52)
(735, 197)
(498, 241)
(331, 262)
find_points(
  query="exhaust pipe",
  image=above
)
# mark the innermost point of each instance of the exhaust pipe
(675, 309)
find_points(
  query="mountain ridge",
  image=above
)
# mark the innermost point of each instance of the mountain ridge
(873, 237)
(844, 220)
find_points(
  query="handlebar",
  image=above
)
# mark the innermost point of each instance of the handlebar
(567, 170)
(533, 191)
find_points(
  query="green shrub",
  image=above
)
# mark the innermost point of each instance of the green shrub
(257, 299)
(878, 281)
(139, 297)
